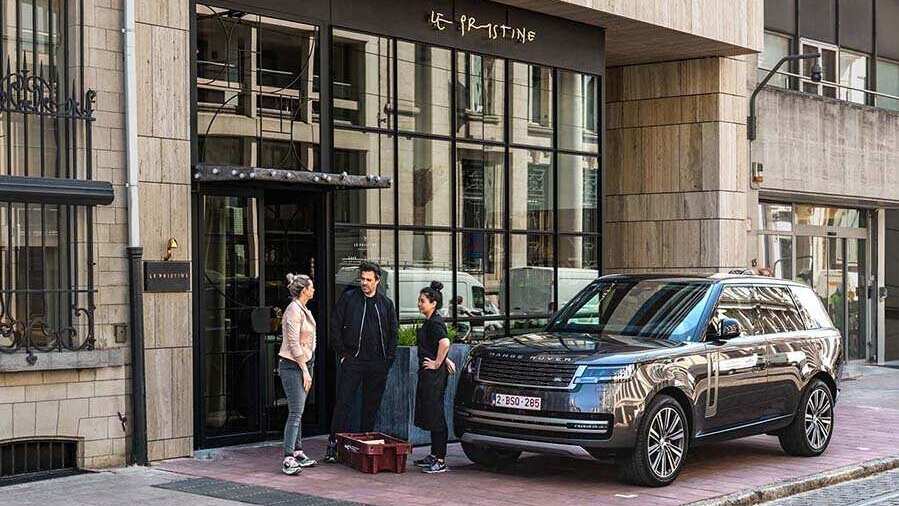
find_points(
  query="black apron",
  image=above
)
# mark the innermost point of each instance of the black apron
(431, 390)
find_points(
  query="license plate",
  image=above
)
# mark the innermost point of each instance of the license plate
(516, 401)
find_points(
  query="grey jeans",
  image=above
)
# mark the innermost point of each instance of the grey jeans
(292, 380)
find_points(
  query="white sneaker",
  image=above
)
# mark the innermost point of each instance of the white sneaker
(290, 466)
(302, 459)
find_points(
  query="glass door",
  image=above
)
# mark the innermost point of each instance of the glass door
(229, 348)
(291, 245)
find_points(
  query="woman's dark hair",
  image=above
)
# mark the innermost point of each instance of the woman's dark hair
(433, 294)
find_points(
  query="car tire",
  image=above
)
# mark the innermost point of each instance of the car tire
(490, 457)
(812, 428)
(656, 462)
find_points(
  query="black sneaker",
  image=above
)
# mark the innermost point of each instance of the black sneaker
(438, 466)
(331, 453)
(425, 462)
(302, 459)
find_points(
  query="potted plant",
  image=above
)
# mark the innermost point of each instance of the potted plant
(398, 405)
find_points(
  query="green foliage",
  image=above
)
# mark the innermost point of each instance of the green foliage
(407, 335)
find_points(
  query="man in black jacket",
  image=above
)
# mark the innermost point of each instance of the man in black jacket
(364, 334)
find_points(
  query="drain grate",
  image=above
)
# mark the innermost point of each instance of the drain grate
(25, 461)
(250, 494)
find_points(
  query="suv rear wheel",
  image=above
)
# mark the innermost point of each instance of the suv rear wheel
(489, 457)
(812, 427)
(661, 447)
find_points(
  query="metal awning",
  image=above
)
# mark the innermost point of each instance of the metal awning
(207, 173)
(52, 190)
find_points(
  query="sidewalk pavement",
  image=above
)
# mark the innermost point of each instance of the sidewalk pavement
(867, 415)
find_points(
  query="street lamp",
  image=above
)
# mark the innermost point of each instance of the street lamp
(816, 77)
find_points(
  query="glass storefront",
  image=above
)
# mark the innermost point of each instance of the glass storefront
(825, 248)
(495, 190)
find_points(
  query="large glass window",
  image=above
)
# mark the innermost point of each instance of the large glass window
(888, 82)
(257, 84)
(506, 218)
(826, 249)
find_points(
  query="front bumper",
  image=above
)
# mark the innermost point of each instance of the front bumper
(585, 420)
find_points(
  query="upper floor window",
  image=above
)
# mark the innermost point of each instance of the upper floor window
(854, 76)
(828, 62)
(776, 47)
(888, 82)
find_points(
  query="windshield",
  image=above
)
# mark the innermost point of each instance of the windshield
(656, 308)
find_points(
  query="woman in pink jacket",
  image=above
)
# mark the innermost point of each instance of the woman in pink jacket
(295, 364)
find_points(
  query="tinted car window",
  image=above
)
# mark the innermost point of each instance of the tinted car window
(811, 308)
(655, 308)
(738, 302)
(777, 312)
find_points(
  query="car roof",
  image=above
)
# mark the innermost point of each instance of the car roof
(728, 278)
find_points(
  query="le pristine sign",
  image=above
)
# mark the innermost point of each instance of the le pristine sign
(468, 24)
(166, 277)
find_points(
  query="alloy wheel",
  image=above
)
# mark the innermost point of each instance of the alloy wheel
(818, 418)
(666, 443)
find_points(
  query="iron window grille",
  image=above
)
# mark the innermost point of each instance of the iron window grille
(47, 293)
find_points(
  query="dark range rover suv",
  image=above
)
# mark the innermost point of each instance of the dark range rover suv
(643, 367)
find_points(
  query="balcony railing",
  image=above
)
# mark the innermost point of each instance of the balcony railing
(799, 78)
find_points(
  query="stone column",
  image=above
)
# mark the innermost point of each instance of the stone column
(163, 75)
(676, 168)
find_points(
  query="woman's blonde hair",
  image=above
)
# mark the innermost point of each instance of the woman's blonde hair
(296, 283)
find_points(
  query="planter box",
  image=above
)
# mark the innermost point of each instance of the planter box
(398, 405)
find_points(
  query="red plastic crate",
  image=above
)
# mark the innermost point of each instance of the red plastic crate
(373, 458)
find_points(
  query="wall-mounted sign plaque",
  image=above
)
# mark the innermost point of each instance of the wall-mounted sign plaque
(166, 277)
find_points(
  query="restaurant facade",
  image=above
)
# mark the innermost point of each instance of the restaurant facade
(512, 150)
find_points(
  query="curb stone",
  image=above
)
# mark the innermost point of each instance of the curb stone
(781, 489)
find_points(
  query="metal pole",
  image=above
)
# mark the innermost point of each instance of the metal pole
(751, 119)
(135, 251)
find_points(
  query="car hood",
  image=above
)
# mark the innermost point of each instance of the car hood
(581, 348)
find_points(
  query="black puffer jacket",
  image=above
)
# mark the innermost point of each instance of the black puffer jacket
(346, 323)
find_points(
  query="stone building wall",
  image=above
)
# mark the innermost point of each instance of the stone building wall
(80, 396)
(675, 173)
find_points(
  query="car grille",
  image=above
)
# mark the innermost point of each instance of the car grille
(527, 373)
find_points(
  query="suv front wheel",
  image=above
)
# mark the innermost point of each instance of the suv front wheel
(661, 447)
(489, 457)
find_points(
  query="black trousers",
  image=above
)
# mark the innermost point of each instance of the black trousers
(438, 443)
(372, 376)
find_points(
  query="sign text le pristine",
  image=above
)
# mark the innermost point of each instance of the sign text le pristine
(467, 24)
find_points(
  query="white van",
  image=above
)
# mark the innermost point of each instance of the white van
(412, 280)
(532, 287)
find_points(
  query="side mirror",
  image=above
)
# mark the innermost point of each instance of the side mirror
(728, 328)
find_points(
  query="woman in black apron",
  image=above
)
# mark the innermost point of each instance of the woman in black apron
(433, 346)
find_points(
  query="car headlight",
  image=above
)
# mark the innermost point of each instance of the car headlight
(592, 374)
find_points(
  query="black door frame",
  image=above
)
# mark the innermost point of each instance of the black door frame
(324, 368)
